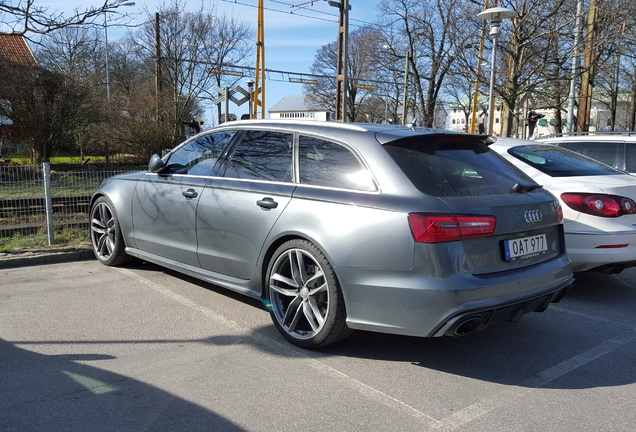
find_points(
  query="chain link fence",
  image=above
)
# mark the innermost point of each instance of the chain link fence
(36, 201)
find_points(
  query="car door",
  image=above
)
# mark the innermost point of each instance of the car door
(164, 204)
(237, 211)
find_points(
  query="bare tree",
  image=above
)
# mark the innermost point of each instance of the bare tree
(363, 44)
(46, 107)
(458, 91)
(191, 45)
(27, 16)
(432, 34)
(611, 72)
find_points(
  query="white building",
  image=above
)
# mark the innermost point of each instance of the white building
(295, 107)
(600, 118)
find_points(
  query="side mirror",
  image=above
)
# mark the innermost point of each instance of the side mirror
(156, 165)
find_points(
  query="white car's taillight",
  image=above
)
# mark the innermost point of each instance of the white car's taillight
(599, 204)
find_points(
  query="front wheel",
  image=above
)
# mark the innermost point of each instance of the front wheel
(304, 297)
(106, 237)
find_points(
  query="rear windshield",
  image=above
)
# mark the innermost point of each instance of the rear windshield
(454, 166)
(560, 162)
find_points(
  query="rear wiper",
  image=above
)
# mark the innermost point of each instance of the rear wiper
(519, 188)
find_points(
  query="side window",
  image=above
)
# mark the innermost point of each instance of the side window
(607, 152)
(262, 155)
(199, 157)
(324, 163)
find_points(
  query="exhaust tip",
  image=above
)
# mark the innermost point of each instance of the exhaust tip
(468, 325)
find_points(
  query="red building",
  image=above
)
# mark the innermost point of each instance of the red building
(14, 55)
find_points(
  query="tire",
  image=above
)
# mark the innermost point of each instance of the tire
(304, 297)
(106, 237)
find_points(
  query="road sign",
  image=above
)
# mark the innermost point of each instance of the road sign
(366, 86)
(241, 90)
(303, 81)
(221, 92)
(226, 72)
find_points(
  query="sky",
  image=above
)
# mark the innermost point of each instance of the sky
(293, 35)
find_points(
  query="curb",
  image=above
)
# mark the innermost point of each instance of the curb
(57, 257)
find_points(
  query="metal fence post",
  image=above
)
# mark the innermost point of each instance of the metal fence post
(46, 167)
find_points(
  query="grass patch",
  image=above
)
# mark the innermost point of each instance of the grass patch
(69, 237)
(63, 159)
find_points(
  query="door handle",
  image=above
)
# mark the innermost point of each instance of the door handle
(190, 193)
(267, 203)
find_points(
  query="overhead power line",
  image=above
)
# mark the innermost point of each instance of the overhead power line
(285, 76)
(332, 17)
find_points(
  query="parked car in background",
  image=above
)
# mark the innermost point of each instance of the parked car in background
(339, 227)
(617, 149)
(599, 202)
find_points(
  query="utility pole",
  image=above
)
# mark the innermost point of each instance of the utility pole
(478, 72)
(341, 67)
(589, 66)
(157, 63)
(406, 87)
(259, 83)
(575, 65)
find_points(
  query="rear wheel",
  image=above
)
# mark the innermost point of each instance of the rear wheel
(106, 237)
(305, 299)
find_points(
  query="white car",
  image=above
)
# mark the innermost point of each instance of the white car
(614, 149)
(598, 201)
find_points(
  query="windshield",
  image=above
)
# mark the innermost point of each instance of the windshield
(560, 162)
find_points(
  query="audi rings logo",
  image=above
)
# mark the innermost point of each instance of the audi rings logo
(533, 216)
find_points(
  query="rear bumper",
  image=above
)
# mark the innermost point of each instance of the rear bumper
(467, 322)
(407, 303)
(601, 251)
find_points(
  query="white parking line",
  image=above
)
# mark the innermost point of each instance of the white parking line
(507, 396)
(511, 394)
(360, 387)
(183, 300)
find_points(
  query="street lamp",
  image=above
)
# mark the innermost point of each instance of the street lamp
(494, 15)
(106, 50)
(250, 87)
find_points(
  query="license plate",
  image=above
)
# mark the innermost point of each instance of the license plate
(525, 247)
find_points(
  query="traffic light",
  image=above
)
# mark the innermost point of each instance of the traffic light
(195, 124)
(533, 118)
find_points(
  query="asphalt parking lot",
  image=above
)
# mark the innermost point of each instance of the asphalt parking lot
(84, 347)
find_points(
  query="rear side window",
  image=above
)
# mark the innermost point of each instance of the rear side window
(609, 153)
(454, 166)
(630, 157)
(324, 163)
(262, 155)
(560, 162)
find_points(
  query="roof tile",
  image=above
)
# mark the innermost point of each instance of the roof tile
(14, 48)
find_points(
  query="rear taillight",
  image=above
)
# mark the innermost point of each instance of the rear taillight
(559, 212)
(437, 228)
(599, 205)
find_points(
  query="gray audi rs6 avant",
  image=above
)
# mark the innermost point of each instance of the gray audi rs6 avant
(338, 227)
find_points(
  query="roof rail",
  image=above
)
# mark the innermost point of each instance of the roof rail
(566, 134)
